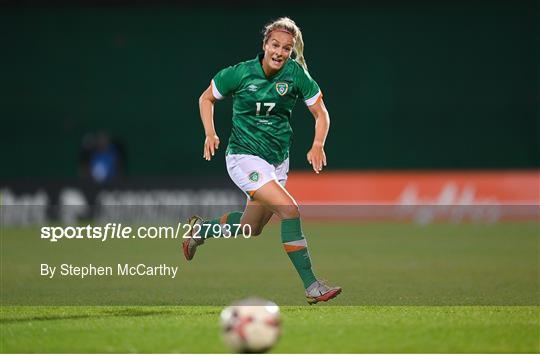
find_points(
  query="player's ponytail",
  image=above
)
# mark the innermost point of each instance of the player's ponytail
(288, 25)
(299, 50)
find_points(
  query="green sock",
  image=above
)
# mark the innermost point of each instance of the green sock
(230, 219)
(296, 247)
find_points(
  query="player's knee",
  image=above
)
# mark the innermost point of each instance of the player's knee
(288, 212)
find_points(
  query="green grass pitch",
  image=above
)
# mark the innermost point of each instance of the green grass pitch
(451, 288)
(347, 329)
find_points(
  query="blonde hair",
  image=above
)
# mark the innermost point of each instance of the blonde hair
(288, 25)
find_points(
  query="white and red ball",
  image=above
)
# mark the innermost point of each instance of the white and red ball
(251, 325)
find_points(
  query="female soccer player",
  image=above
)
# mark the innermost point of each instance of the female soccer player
(264, 91)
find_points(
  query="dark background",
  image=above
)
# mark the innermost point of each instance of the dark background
(409, 85)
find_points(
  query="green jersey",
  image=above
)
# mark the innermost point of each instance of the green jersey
(262, 106)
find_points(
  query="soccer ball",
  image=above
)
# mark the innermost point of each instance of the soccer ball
(250, 325)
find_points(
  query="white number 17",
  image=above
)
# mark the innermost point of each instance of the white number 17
(270, 106)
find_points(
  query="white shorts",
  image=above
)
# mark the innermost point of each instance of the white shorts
(250, 172)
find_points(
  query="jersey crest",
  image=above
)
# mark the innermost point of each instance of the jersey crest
(254, 176)
(282, 88)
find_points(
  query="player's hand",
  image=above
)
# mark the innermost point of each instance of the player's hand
(211, 144)
(317, 158)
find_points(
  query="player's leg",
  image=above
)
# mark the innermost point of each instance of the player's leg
(277, 199)
(255, 215)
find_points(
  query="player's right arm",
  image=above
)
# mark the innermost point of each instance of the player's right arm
(206, 108)
(223, 84)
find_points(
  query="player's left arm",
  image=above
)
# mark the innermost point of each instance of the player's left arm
(316, 156)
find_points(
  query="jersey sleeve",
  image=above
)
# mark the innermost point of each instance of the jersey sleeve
(309, 89)
(226, 82)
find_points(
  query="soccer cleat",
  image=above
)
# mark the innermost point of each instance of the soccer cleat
(190, 243)
(319, 291)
